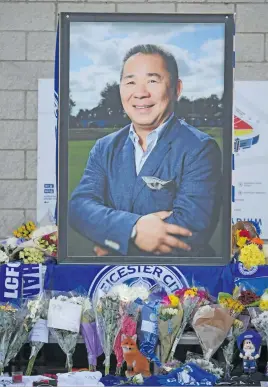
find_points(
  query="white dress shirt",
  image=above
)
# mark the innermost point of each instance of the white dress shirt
(140, 155)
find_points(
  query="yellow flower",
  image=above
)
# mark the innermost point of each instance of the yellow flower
(238, 324)
(251, 255)
(174, 300)
(192, 292)
(241, 241)
(263, 304)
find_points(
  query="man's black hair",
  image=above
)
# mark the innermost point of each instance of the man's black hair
(152, 49)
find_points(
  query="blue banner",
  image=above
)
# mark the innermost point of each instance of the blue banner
(94, 277)
(255, 279)
(19, 281)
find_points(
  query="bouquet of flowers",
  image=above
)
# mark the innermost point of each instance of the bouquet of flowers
(25, 230)
(89, 332)
(189, 298)
(233, 305)
(108, 323)
(27, 316)
(8, 316)
(31, 255)
(4, 258)
(129, 312)
(7, 248)
(249, 298)
(247, 245)
(211, 324)
(39, 335)
(169, 321)
(148, 333)
(259, 318)
(238, 327)
(210, 366)
(64, 317)
(48, 243)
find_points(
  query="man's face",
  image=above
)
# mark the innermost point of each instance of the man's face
(146, 92)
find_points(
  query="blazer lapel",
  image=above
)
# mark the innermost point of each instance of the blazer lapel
(125, 177)
(155, 159)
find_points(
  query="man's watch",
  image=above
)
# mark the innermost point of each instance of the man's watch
(134, 233)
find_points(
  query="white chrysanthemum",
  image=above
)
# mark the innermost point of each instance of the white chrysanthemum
(139, 292)
(87, 305)
(44, 231)
(12, 242)
(122, 291)
(3, 257)
(138, 379)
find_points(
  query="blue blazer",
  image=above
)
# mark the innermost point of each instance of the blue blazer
(110, 197)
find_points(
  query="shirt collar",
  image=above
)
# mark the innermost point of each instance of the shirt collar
(156, 132)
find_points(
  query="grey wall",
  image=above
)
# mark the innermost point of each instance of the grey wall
(27, 40)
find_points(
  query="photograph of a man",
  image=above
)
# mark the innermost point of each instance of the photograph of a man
(154, 186)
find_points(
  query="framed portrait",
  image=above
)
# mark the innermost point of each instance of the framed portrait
(145, 138)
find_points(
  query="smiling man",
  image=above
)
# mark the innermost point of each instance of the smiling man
(152, 187)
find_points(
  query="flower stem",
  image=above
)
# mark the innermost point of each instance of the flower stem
(69, 361)
(118, 371)
(107, 370)
(30, 365)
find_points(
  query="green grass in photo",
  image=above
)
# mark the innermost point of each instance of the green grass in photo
(78, 155)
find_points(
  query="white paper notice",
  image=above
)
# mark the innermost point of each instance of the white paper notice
(147, 326)
(40, 331)
(64, 315)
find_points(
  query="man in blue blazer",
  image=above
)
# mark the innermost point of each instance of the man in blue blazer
(152, 187)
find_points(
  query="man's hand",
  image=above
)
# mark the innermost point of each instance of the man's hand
(150, 238)
(156, 236)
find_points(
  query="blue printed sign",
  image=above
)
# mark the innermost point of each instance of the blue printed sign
(19, 281)
(95, 277)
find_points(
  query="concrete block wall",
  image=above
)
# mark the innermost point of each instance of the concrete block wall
(27, 40)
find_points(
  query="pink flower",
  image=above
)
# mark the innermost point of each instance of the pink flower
(165, 300)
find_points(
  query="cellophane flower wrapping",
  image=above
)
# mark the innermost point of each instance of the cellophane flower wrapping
(8, 319)
(88, 329)
(170, 317)
(129, 313)
(37, 341)
(259, 318)
(148, 333)
(190, 299)
(233, 303)
(28, 315)
(211, 324)
(210, 366)
(48, 243)
(108, 319)
(239, 326)
(64, 318)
